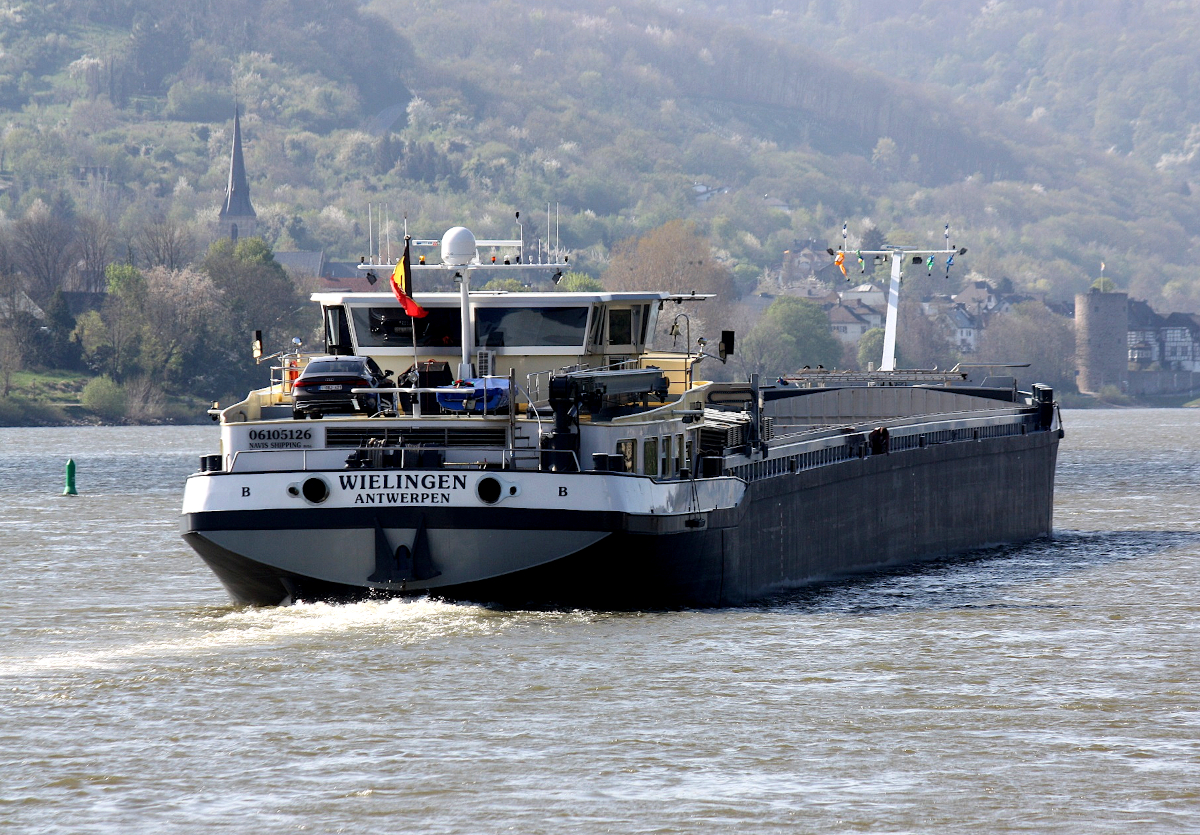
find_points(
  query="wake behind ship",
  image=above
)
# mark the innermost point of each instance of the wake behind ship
(592, 470)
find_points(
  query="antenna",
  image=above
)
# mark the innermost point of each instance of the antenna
(370, 233)
(557, 239)
(387, 208)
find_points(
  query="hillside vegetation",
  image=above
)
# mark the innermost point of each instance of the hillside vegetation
(879, 114)
(1050, 137)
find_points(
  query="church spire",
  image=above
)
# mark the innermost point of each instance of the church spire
(237, 215)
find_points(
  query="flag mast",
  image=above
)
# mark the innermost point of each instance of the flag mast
(897, 255)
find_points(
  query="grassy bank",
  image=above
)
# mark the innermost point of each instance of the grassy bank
(64, 398)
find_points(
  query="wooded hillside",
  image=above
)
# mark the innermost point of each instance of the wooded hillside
(1050, 138)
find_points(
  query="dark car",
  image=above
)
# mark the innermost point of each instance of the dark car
(326, 387)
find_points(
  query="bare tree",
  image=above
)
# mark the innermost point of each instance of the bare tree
(166, 243)
(10, 362)
(93, 240)
(16, 333)
(43, 246)
(1032, 333)
(673, 257)
(7, 264)
(922, 342)
(178, 305)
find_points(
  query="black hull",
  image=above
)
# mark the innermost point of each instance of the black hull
(789, 531)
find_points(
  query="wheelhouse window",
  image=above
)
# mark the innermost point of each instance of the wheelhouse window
(337, 334)
(531, 327)
(650, 456)
(627, 449)
(389, 327)
(620, 327)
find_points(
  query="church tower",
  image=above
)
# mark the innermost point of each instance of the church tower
(237, 217)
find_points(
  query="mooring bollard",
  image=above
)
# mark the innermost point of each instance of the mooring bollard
(69, 490)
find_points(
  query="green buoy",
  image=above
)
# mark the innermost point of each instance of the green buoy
(69, 490)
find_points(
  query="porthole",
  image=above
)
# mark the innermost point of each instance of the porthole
(488, 490)
(315, 490)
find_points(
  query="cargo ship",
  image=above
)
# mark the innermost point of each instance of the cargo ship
(534, 449)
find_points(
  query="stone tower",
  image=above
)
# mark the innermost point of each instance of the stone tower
(237, 218)
(1102, 339)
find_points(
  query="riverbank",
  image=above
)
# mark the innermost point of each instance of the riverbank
(59, 398)
(17, 411)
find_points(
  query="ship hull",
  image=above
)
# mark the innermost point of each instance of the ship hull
(786, 531)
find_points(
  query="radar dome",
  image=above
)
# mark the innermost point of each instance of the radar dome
(458, 247)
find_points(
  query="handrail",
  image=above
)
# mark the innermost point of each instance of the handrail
(427, 390)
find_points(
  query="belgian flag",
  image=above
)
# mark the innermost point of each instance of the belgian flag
(401, 282)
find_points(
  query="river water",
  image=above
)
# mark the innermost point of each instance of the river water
(1048, 688)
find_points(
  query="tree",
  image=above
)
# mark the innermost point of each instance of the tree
(62, 351)
(122, 315)
(166, 243)
(510, 285)
(93, 241)
(870, 348)
(180, 309)
(43, 246)
(19, 326)
(924, 342)
(579, 283)
(886, 156)
(11, 361)
(674, 257)
(791, 334)
(1032, 333)
(256, 294)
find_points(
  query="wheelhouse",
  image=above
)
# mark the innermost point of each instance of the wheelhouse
(528, 332)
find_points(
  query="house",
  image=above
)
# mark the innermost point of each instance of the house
(19, 302)
(964, 328)
(847, 324)
(1179, 339)
(871, 295)
(1142, 333)
(977, 298)
(804, 260)
(345, 275)
(1172, 341)
(306, 263)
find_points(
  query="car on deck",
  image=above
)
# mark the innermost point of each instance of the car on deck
(326, 386)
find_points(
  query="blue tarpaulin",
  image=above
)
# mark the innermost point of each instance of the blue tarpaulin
(468, 396)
